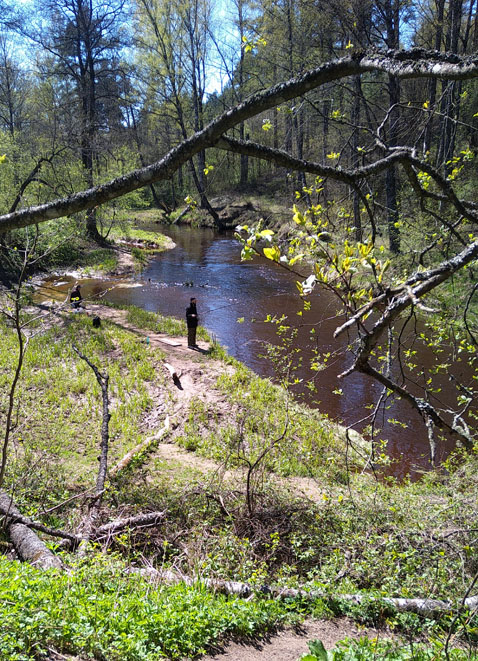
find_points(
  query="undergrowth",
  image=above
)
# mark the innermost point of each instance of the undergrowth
(357, 535)
(371, 649)
(76, 252)
(59, 403)
(102, 612)
(296, 439)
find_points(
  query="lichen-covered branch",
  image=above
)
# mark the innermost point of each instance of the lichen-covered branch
(414, 63)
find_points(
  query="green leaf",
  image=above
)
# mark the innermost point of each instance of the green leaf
(272, 253)
(317, 648)
(247, 253)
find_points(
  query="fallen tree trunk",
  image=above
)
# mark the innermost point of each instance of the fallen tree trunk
(18, 518)
(181, 215)
(138, 521)
(26, 543)
(30, 548)
(140, 448)
(426, 607)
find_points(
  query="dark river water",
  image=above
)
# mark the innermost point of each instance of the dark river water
(207, 265)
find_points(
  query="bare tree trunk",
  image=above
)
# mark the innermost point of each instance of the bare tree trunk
(355, 155)
(139, 449)
(450, 106)
(432, 86)
(158, 203)
(392, 21)
(103, 458)
(27, 544)
(138, 521)
(22, 342)
(392, 62)
(423, 606)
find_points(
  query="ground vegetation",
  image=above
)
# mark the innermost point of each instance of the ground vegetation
(367, 115)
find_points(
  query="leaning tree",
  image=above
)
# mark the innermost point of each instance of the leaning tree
(378, 301)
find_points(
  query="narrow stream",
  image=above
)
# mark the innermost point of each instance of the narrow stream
(207, 265)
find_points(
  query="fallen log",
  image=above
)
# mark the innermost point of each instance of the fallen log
(181, 215)
(138, 449)
(138, 521)
(31, 548)
(52, 532)
(426, 607)
(26, 542)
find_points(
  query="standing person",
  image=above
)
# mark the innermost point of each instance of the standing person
(192, 323)
(75, 297)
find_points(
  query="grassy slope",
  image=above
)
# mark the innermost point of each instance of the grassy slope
(77, 252)
(399, 540)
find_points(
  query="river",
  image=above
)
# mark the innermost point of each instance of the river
(207, 265)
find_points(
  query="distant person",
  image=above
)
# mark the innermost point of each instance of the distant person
(192, 323)
(75, 297)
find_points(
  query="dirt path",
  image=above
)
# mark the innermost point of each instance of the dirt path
(290, 644)
(196, 379)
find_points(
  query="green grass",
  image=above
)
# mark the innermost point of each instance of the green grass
(138, 216)
(77, 252)
(160, 324)
(307, 443)
(60, 401)
(98, 610)
(128, 233)
(360, 536)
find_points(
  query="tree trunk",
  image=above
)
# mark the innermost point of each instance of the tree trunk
(27, 544)
(356, 156)
(422, 606)
(392, 20)
(432, 86)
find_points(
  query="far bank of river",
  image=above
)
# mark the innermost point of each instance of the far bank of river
(234, 299)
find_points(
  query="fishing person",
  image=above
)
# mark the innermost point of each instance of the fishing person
(192, 323)
(75, 297)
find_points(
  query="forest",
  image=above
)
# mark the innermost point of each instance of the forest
(158, 502)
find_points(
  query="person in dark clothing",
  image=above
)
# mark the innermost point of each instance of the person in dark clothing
(75, 297)
(192, 323)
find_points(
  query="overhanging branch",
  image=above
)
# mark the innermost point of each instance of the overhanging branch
(415, 63)
(404, 296)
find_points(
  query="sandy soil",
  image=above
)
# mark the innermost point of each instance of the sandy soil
(290, 644)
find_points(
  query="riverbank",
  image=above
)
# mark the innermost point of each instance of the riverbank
(254, 487)
(127, 252)
(234, 300)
